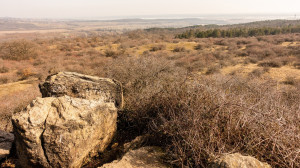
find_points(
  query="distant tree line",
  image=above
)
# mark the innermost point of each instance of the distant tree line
(238, 32)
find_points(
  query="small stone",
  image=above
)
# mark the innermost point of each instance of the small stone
(237, 160)
(145, 157)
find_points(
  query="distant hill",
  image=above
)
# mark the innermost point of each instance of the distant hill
(6, 25)
(257, 24)
(251, 25)
(242, 30)
(15, 24)
(165, 25)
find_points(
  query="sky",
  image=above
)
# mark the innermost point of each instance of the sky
(123, 8)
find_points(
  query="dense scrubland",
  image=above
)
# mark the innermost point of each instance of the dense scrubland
(198, 97)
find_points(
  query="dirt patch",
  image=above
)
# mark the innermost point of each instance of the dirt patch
(278, 74)
(295, 43)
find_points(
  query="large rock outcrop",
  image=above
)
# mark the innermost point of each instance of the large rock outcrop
(6, 141)
(82, 86)
(75, 119)
(237, 160)
(63, 131)
(145, 157)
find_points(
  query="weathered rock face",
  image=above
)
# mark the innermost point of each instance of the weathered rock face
(83, 86)
(6, 140)
(145, 157)
(63, 131)
(237, 160)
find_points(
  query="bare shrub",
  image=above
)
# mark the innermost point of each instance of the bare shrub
(142, 78)
(280, 50)
(4, 69)
(290, 80)
(158, 47)
(197, 120)
(243, 42)
(25, 73)
(241, 53)
(212, 69)
(18, 50)
(260, 51)
(38, 62)
(179, 49)
(111, 53)
(250, 60)
(217, 115)
(294, 50)
(270, 63)
(221, 55)
(3, 80)
(221, 42)
(199, 47)
(256, 73)
(297, 65)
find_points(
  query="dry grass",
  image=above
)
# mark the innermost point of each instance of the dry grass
(295, 43)
(14, 97)
(277, 74)
(236, 107)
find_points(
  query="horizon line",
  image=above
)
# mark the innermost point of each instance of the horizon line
(161, 16)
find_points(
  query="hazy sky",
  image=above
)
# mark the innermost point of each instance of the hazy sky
(107, 8)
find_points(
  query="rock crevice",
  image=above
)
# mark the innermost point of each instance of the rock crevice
(43, 141)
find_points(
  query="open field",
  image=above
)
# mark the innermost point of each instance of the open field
(11, 28)
(205, 95)
(10, 24)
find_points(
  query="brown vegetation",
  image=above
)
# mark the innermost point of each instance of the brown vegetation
(18, 50)
(199, 97)
(200, 118)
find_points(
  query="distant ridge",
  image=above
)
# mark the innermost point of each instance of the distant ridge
(17, 24)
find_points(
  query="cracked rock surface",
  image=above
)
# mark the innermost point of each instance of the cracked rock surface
(83, 86)
(63, 131)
